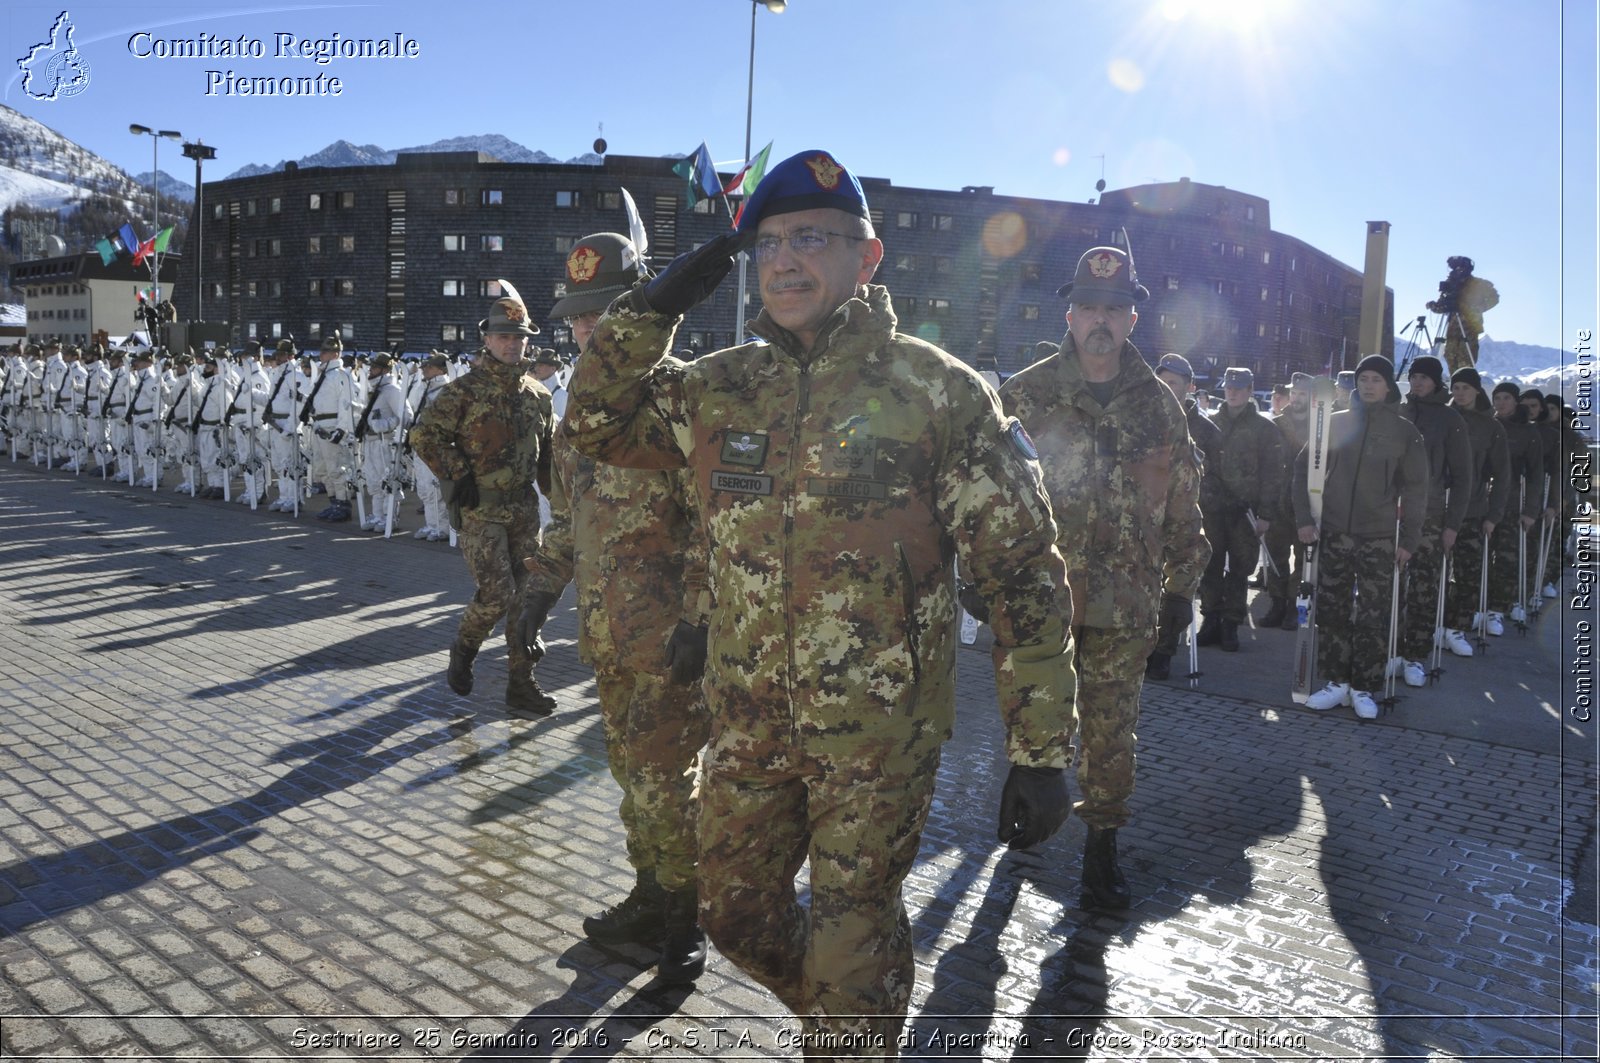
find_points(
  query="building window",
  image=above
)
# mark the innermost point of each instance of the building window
(608, 200)
(1266, 258)
(938, 306)
(704, 206)
(490, 197)
(488, 242)
(944, 222)
(250, 208)
(565, 244)
(314, 245)
(315, 330)
(250, 330)
(1030, 311)
(941, 263)
(455, 243)
(569, 199)
(277, 289)
(1249, 212)
(1217, 285)
(906, 219)
(250, 289)
(347, 331)
(275, 246)
(1172, 283)
(1291, 298)
(347, 286)
(216, 290)
(1294, 263)
(905, 263)
(347, 244)
(451, 289)
(314, 201)
(277, 330)
(216, 211)
(1238, 251)
(1264, 294)
(314, 286)
(454, 197)
(1031, 272)
(450, 333)
(1261, 329)
(275, 205)
(347, 200)
(1172, 243)
(490, 289)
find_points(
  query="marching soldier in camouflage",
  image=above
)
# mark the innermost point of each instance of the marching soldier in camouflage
(632, 541)
(1240, 502)
(1124, 482)
(841, 466)
(487, 438)
(1177, 374)
(1491, 493)
(1376, 464)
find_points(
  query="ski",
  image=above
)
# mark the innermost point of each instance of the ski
(1305, 649)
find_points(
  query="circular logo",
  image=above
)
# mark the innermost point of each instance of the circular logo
(67, 73)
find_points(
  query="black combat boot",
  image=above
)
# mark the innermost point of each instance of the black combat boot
(1103, 884)
(683, 952)
(1274, 615)
(1230, 637)
(525, 700)
(1210, 632)
(459, 675)
(639, 918)
(1158, 666)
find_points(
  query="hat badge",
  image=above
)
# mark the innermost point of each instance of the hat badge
(1105, 265)
(825, 171)
(516, 313)
(583, 263)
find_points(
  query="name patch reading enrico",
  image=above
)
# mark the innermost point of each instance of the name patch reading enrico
(829, 487)
(744, 483)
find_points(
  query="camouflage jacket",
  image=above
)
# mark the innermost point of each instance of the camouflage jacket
(1294, 424)
(838, 487)
(1376, 461)
(493, 422)
(1249, 466)
(1123, 482)
(1491, 464)
(632, 540)
(1525, 451)
(1444, 438)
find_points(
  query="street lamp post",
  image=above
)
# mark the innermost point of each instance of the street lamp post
(776, 7)
(155, 199)
(199, 151)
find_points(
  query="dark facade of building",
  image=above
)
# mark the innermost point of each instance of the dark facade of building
(410, 254)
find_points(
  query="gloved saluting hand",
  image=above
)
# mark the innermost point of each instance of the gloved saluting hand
(689, 278)
(686, 653)
(535, 611)
(1033, 805)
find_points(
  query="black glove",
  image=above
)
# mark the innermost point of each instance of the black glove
(1033, 805)
(972, 602)
(686, 653)
(465, 495)
(689, 278)
(1177, 610)
(535, 611)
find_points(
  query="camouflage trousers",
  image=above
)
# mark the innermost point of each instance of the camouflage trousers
(1355, 579)
(494, 551)
(1503, 576)
(654, 730)
(844, 966)
(1282, 540)
(1419, 595)
(1110, 674)
(1234, 553)
(1466, 576)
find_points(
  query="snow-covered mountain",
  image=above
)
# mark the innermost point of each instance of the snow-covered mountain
(171, 187)
(344, 153)
(1530, 365)
(42, 168)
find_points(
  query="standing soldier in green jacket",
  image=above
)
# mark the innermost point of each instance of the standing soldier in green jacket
(1124, 484)
(1491, 491)
(632, 541)
(1240, 498)
(1283, 574)
(842, 467)
(1517, 535)
(487, 438)
(1450, 478)
(1377, 471)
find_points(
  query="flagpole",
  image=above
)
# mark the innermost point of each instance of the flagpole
(776, 7)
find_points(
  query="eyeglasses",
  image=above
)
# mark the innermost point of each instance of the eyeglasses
(590, 318)
(801, 241)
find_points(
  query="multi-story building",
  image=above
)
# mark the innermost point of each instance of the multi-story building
(410, 254)
(75, 297)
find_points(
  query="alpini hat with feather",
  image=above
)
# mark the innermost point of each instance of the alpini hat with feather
(508, 315)
(599, 268)
(1104, 275)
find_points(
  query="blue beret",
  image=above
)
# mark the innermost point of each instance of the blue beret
(805, 181)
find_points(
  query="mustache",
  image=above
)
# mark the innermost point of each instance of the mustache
(784, 284)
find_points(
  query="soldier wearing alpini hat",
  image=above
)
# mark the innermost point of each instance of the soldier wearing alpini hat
(487, 438)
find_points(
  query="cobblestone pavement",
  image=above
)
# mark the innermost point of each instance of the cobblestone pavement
(242, 817)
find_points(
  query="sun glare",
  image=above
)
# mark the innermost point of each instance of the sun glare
(1242, 16)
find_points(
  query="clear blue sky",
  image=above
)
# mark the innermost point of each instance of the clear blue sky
(1467, 124)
